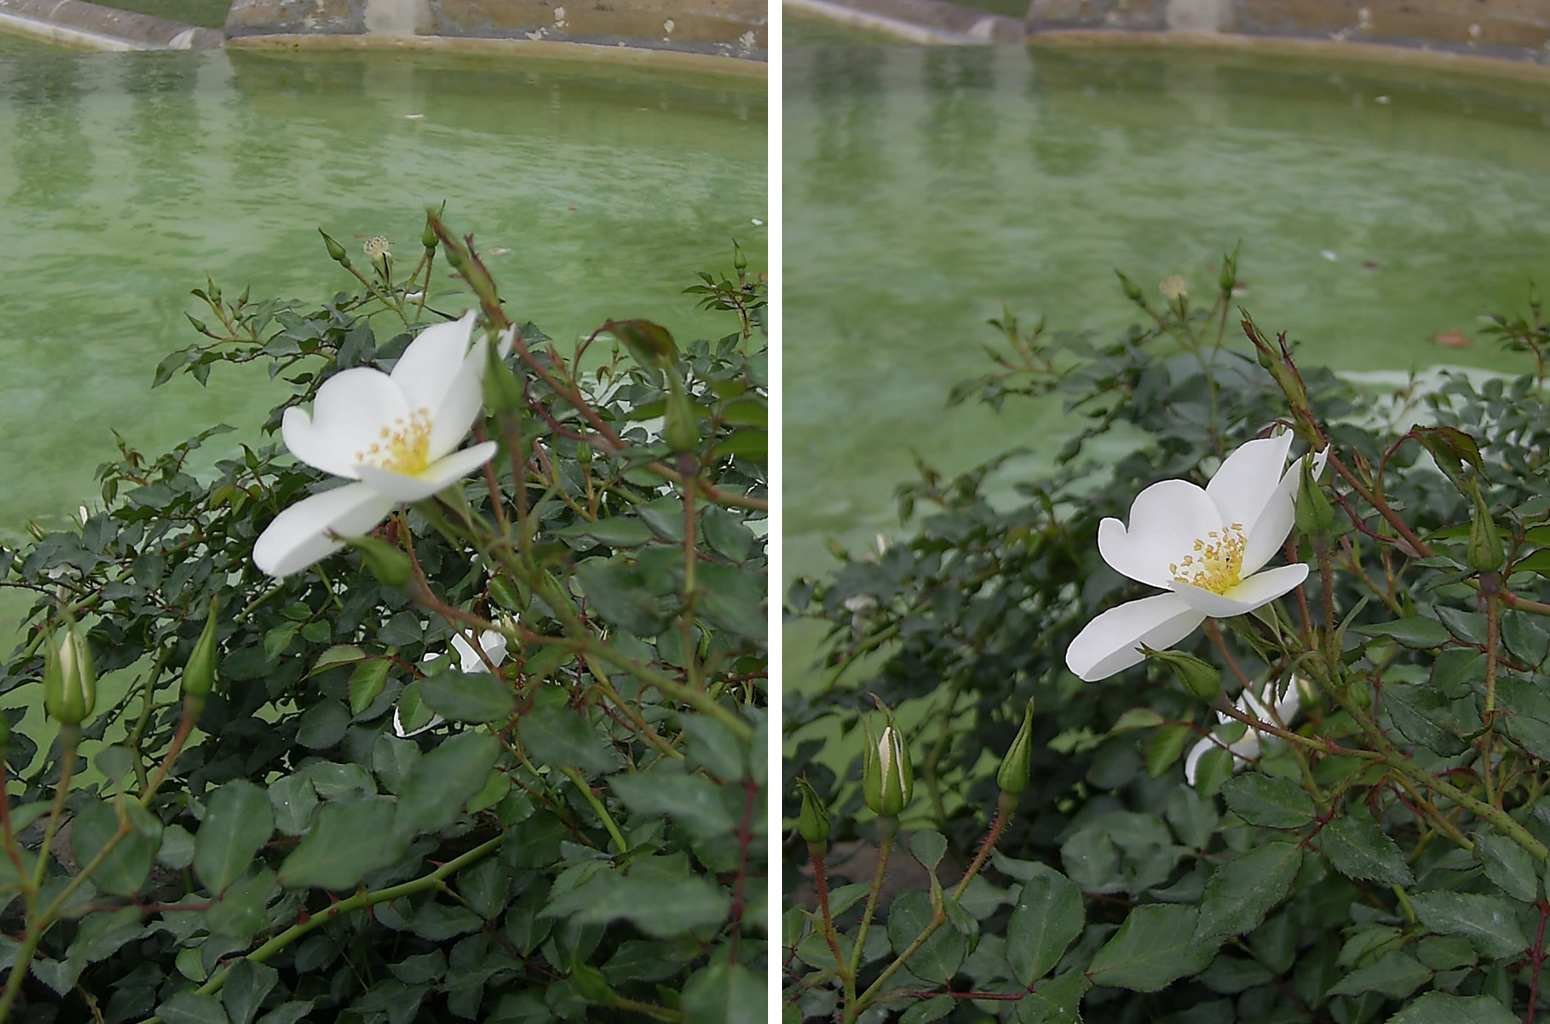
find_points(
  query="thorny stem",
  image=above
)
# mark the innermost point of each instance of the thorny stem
(597, 806)
(821, 879)
(1487, 770)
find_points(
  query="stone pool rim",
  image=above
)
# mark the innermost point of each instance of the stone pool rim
(84, 26)
(944, 22)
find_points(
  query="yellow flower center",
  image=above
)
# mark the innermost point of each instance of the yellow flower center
(404, 447)
(1217, 562)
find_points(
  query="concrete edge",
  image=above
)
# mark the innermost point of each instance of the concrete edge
(930, 21)
(1395, 53)
(547, 49)
(91, 26)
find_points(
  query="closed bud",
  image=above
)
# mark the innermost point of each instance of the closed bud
(428, 237)
(502, 389)
(1012, 776)
(1315, 515)
(69, 684)
(386, 562)
(590, 984)
(1228, 280)
(1485, 542)
(199, 325)
(1199, 679)
(681, 423)
(1132, 290)
(199, 670)
(813, 819)
(887, 777)
(335, 250)
(36, 530)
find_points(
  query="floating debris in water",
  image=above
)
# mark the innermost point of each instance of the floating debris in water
(1173, 287)
(413, 117)
(499, 251)
(1453, 339)
(1371, 265)
(758, 222)
(1332, 257)
(1381, 99)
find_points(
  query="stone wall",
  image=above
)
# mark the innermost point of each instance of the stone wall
(76, 23)
(735, 28)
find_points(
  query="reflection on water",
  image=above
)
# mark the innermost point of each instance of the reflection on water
(124, 177)
(925, 186)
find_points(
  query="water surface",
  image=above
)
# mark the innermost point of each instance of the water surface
(596, 192)
(1377, 207)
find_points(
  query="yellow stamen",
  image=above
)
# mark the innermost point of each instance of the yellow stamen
(1220, 567)
(405, 446)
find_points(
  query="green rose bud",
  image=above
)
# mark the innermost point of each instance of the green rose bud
(1315, 515)
(681, 422)
(1229, 276)
(813, 819)
(887, 777)
(69, 684)
(1012, 776)
(199, 670)
(386, 562)
(1485, 541)
(1199, 678)
(502, 389)
(335, 250)
(428, 237)
(1132, 290)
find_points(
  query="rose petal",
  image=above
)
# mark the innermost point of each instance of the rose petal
(460, 404)
(1109, 642)
(431, 362)
(1165, 521)
(348, 416)
(1192, 759)
(1259, 589)
(1247, 478)
(493, 643)
(299, 535)
(403, 734)
(436, 476)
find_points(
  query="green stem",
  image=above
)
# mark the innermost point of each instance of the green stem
(597, 805)
(889, 828)
(359, 901)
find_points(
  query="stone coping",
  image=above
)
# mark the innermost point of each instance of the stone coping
(545, 49)
(1497, 37)
(94, 27)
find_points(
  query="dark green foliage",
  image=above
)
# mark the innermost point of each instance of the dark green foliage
(513, 862)
(1388, 869)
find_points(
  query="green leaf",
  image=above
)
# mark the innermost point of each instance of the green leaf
(1424, 716)
(366, 682)
(189, 1008)
(335, 656)
(240, 912)
(323, 725)
(1056, 1001)
(615, 531)
(293, 800)
(1048, 915)
(1273, 803)
(1149, 951)
(1164, 748)
(715, 747)
(724, 994)
(349, 841)
(1508, 865)
(236, 826)
(1442, 1008)
(660, 903)
(668, 789)
(1487, 921)
(1134, 720)
(928, 846)
(123, 871)
(1358, 848)
(939, 958)
(468, 696)
(247, 983)
(622, 594)
(1412, 632)
(559, 736)
(1243, 890)
(1395, 976)
(932, 1009)
(441, 781)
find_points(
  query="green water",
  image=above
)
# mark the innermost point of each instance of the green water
(125, 177)
(924, 187)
